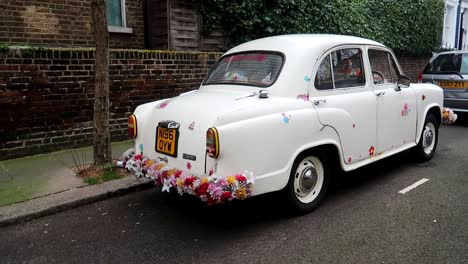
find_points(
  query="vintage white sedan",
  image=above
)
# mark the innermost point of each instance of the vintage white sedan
(282, 113)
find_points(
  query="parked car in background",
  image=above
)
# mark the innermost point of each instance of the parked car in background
(449, 70)
(283, 113)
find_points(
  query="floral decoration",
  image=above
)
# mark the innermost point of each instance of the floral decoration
(448, 116)
(163, 104)
(211, 189)
(304, 97)
(371, 151)
(405, 110)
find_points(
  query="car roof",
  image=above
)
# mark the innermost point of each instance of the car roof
(302, 42)
(452, 52)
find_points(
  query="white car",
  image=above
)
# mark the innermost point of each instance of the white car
(281, 113)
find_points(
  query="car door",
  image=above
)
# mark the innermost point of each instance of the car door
(396, 108)
(344, 101)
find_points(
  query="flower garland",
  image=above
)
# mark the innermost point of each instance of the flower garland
(448, 116)
(210, 189)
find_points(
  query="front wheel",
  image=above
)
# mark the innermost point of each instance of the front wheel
(308, 182)
(429, 137)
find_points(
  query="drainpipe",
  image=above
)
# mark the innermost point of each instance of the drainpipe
(458, 26)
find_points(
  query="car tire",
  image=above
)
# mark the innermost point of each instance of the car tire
(308, 182)
(428, 140)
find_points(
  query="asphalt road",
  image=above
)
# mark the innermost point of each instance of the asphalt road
(364, 220)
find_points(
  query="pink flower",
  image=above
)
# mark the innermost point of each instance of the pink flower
(189, 166)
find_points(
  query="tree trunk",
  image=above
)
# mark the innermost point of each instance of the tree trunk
(101, 146)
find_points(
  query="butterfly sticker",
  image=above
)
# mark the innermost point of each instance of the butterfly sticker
(286, 118)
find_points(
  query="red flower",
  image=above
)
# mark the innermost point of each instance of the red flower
(209, 199)
(201, 190)
(371, 151)
(138, 157)
(211, 172)
(189, 181)
(177, 174)
(225, 196)
(241, 178)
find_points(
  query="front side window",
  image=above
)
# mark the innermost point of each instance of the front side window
(249, 68)
(115, 13)
(383, 72)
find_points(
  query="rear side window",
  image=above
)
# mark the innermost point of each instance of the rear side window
(446, 64)
(340, 69)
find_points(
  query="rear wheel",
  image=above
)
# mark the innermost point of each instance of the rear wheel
(308, 182)
(429, 137)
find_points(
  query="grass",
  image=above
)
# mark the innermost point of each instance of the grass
(105, 174)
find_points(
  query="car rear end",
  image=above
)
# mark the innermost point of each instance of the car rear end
(449, 70)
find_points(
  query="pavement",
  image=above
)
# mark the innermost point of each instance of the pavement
(40, 185)
(365, 219)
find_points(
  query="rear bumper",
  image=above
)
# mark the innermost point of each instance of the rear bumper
(211, 188)
(457, 105)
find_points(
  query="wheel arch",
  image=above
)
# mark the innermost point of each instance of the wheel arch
(433, 109)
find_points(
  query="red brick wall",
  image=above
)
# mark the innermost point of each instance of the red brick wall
(412, 66)
(46, 96)
(63, 23)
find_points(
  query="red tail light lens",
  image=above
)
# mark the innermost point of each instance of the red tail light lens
(132, 126)
(420, 77)
(212, 143)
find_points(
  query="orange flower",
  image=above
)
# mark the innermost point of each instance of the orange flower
(149, 163)
(180, 182)
(159, 167)
(241, 193)
(204, 180)
(231, 180)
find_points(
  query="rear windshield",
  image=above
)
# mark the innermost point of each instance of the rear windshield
(447, 64)
(251, 68)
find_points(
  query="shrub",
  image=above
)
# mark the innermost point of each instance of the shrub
(411, 27)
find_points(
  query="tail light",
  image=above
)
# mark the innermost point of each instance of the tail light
(212, 143)
(132, 126)
(420, 77)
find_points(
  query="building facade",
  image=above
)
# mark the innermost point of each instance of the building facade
(132, 24)
(455, 28)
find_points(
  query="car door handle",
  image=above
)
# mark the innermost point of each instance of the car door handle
(317, 102)
(380, 93)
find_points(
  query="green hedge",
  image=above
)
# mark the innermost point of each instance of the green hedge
(410, 27)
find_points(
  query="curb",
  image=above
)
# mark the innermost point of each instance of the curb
(58, 202)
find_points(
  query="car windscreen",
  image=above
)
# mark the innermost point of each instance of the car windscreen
(259, 68)
(448, 64)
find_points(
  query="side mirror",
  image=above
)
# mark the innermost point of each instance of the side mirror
(403, 82)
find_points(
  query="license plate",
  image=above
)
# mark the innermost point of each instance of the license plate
(166, 141)
(453, 84)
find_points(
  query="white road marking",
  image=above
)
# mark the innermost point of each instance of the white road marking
(414, 185)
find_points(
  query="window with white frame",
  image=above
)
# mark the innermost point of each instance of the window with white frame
(116, 18)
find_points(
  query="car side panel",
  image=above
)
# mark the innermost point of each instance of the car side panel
(267, 145)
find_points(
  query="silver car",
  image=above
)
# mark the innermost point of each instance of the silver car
(449, 70)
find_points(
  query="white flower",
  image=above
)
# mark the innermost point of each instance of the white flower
(167, 185)
(139, 174)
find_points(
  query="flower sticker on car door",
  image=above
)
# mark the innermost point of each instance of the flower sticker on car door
(405, 110)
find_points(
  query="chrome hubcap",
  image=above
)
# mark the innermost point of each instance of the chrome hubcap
(428, 138)
(308, 179)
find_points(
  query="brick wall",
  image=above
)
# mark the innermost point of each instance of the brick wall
(412, 66)
(46, 96)
(63, 23)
